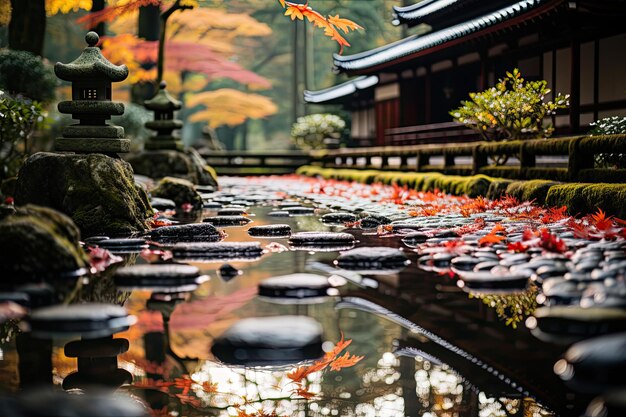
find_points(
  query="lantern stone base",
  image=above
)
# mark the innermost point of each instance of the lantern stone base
(97, 191)
(92, 145)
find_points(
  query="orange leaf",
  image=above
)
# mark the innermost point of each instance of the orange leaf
(343, 24)
(490, 239)
(304, 392)
(344, 361)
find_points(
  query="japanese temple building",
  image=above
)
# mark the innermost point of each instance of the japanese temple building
(404, 90)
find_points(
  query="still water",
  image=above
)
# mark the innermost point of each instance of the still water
(429, 349)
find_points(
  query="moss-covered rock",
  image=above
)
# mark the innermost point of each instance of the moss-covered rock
(38, 241)
(98, 192)
(178, 190)
(535, 190)
(187, 165)
(587, 198)
(497, 189)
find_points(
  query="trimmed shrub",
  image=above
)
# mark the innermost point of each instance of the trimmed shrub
(530, 190)
(497, 189)
(587, 198)
(23, 73)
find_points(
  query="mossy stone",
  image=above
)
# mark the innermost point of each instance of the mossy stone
(179, 191)
(587, 198)
(187, 165)
(97, 191)
(38, 241)
(535, 190)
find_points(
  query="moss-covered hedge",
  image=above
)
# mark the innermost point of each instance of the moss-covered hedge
(587, 198)
(535, 190)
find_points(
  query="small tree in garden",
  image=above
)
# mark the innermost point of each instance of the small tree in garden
(513, 109)
(309, 132)
(18, 119)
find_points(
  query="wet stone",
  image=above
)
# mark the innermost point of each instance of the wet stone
(158, 276)
(279, 213)
(300, 211)
(415, 238)
(338, 218)
(295, 286)
(197, 232)
(595, 365)
(218, 251)
(279, 340)
(561, 291)
(373, 259)
(162, 203)
(94, 240)
(212, 205)
(514, 259)
(231, 211)
(485, 265)
(486, 281)
(464, 263)
(320, 238)
(90, 320)
(123, 245)
(567, 324)
(228, 272)
(442, 260)
(270, 230)
(224, 221)
(373, 221)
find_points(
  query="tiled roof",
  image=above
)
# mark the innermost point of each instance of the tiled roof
(418, 10)
(415, 43)
(340, 90)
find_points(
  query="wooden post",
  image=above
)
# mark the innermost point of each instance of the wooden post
(574, 100)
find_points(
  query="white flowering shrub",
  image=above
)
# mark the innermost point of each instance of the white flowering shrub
(310, 131)
(615, 125)
(513, 109)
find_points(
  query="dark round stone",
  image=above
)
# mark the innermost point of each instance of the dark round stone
(485, 265)
(406, 227)
(270, 230)
(373, 259)
(218, 251)
(231, 211)
(567, 324)
(279, 213)
(295, 286)
(338, 218)
(123, 245)
(262, 341)
(320, 238)
(227, 272)
(89, 320)
(372, 221)
(514, 259)
(46, 402)
(300, 211)
(442, 260)
(464, 263)
(94, 240)
(158, 276)
(197, 232)
(212, 205)
(561, 291)
(415, 238)
(595, 365)
(224, 221)
(162, 203)
(486, 281)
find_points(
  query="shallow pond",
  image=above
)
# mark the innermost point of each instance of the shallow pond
(428, 348)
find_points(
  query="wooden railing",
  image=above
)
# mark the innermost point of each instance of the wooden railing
(431, 133)
(255, 163)
(568, 159)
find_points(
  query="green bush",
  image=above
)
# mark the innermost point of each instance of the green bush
(535, 190)
(587, 198)
(23, 73)
(18, 119)
(310, 132)
(513, 109)
(497, 189)
(609, 126)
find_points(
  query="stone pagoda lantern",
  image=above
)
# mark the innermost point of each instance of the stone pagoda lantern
(163, 105)
(91, 75)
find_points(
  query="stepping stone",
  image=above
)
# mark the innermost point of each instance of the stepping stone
(224, 221)
(123, 245)
(227, 272)
(595, 365)
(370, 260)
(464, 263)
(46, 402)
(397, 227)
(288, 204)
(231, 211)
(218, 251)
(373, 221)
(279, 213)
(212, 205)
(209, 189)
(197, 232)
(485, 265)
(442, 260)
(413, 239)
(270, 230)
(300, 211)
(321, 241)
(162, 204)
(160, 277)
(489, 282)
(561, 291)
(90, 320)
(296, 286)
(263, 341)
(339, 218)
(568, 324)
(94, 240)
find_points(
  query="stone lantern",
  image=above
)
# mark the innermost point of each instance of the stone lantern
(163, 105)
(91, 75)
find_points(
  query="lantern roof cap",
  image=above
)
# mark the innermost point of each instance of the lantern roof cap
(91, 64)
(162, 101)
